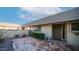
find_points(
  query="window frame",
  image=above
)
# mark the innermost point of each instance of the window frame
(75, 31)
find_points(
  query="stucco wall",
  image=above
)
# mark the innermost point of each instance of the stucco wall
(47, 30)
(72, 38)
(12, 33)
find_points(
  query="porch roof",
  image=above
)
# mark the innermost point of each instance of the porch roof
(69, 15)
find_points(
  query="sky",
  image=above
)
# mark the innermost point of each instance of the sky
(22, 15)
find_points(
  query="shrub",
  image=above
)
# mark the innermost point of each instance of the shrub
(23, 35)
(16, 36)
(38, 35)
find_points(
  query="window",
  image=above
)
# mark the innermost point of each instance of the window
(39, 28)
(75, 26)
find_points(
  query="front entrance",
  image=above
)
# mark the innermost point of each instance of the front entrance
(58, 31)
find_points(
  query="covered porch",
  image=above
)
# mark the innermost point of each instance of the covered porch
(59, 31)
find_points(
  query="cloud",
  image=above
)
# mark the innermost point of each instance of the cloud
(23, 16)
(34, 13)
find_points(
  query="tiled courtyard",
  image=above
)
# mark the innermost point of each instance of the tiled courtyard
(32, 44)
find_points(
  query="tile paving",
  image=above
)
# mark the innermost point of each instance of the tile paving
(32, 44)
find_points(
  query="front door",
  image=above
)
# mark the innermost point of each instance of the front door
(57, 32)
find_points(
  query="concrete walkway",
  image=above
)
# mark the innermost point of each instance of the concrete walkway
(32, 44)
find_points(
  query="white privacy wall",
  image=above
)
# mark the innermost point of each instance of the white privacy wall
(12, 33)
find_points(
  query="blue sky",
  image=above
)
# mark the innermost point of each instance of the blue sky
(10, 15)
(24, 15)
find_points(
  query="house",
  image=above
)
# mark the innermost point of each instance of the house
(11, 26)
(61, 26)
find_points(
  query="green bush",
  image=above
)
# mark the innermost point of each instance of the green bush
(17, 36)
(24, 35)
(38, 35)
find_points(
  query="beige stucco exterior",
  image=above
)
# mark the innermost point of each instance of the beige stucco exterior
(72, 38)
(47, 30)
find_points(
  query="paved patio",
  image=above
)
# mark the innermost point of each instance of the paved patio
(32, 44)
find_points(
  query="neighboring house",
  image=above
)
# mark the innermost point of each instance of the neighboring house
(9, 26)
(62, 26)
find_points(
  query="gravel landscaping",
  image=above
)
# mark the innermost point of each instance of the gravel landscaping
(32, 44)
